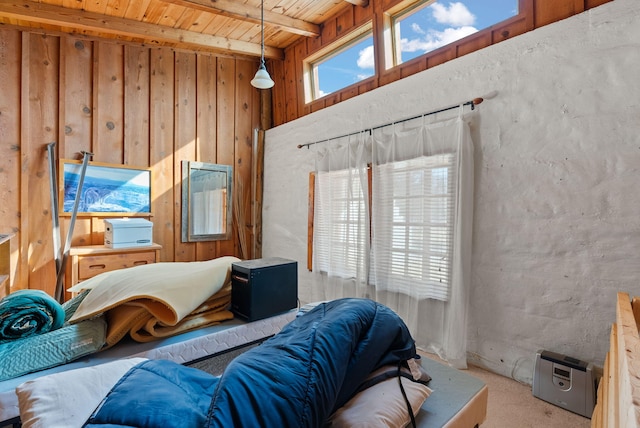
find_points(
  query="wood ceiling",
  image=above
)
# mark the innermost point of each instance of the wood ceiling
(222, 26)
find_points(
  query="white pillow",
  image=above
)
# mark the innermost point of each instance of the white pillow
(381, 405)
(67, 399)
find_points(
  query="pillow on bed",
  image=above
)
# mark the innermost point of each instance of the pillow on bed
(381, 405)
(67, 399)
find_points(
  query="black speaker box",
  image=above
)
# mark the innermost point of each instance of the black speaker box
(262, 288)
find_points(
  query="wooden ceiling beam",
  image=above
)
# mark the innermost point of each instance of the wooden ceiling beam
(31, 11)
(238, 10)
(362, 3)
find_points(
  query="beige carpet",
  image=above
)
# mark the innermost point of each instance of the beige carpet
(512, 405)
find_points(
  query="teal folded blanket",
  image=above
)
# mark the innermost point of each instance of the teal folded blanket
(26, 313)
(53, 348)
(61, 346)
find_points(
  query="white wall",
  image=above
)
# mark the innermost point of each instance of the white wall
(557, 193)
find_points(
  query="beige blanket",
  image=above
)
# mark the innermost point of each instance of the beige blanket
(136, 320)
(158, 300)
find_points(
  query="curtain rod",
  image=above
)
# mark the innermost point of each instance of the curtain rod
(474, 102)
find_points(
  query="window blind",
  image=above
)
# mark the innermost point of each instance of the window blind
(340, 226)
(412, 232)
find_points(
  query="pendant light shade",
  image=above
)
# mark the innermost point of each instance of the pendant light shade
(262, 80)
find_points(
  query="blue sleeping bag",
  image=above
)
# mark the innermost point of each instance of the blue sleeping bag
(298, 378)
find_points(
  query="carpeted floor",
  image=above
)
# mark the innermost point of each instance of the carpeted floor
(512, 405)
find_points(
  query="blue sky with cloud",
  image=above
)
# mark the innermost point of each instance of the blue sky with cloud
(429, 28)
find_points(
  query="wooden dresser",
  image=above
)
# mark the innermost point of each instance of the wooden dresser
(88, 261)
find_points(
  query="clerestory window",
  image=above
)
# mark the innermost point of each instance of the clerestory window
(411, 29)
(428, 25)
(349, 61)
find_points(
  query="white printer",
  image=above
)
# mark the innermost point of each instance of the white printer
(128, 232)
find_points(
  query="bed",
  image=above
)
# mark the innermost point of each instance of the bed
(146, 303)
(346, 348)
(170, 311)
(209, 342)
(337, 357)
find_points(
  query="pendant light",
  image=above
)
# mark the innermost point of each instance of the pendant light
(262, 80)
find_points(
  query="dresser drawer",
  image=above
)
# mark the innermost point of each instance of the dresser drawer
(88, 261)
(90, 266)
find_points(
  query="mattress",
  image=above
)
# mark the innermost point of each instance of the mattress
(182, 348)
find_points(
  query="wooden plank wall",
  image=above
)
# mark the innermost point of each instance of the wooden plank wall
(10, 59)
(126, 104)
(288, 93)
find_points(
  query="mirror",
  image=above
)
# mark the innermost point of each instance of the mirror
(206, 201)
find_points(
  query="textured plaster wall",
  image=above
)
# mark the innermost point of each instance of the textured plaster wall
(557, 182)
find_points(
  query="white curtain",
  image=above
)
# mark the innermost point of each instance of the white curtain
(413, 252)
(341, 217)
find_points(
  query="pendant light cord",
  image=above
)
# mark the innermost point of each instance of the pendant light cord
(262, 30)
(262, 80)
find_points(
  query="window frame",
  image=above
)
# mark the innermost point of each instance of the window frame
(429, 290)
(344, 221)
(309, 64)
(380, 24)
(392, 34)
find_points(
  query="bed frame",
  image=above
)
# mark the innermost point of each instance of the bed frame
(459, 400)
